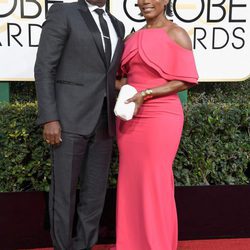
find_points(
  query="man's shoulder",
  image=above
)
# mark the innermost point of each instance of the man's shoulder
(64, 6)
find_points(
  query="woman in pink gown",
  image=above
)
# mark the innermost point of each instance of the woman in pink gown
(157, 61)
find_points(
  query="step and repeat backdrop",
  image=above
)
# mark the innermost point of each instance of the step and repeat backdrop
(219, 29)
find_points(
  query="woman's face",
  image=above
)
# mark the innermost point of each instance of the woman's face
(152, 8)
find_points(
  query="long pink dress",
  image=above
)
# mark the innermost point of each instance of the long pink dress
(146, 212)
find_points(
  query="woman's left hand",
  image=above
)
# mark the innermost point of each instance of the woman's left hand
(138, 100)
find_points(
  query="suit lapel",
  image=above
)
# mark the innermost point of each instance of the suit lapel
(90, 22)
(115, 24)
(119, 35)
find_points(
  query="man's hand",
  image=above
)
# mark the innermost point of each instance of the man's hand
(52, 132)
(120, 82)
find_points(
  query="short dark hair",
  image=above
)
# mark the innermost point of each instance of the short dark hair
(169, 10)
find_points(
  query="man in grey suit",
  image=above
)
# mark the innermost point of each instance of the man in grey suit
(77, 59)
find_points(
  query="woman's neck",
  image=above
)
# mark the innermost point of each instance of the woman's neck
(156, 22)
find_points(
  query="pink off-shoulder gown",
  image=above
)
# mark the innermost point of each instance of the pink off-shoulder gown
(146, 211)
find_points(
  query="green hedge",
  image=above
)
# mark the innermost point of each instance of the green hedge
(214, 149)
(215, 145)
(24, 157)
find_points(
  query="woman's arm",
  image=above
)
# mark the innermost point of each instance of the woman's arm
(166, 89)
(180, 36)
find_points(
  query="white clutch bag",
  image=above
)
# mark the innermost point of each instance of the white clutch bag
(125, 110)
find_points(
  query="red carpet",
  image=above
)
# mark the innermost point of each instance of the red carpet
(222, 244)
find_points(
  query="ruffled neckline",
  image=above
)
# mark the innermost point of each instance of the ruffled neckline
(162, 53)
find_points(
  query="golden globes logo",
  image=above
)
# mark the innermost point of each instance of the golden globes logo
(21, 21)
(211, 24)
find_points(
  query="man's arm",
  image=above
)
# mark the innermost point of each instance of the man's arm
(52, 41)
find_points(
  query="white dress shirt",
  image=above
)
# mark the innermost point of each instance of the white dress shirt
(112, 32)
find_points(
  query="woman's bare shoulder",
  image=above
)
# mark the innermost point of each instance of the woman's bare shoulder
(180, 36)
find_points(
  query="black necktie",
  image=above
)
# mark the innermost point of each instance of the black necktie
(106, 36)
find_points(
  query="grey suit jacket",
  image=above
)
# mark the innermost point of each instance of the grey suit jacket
(71, 73)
